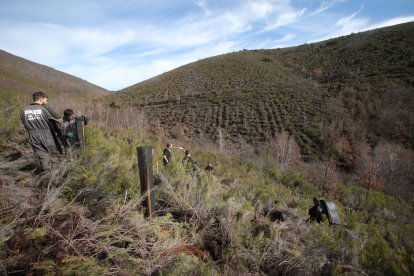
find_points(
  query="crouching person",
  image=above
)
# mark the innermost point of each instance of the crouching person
(317, 211)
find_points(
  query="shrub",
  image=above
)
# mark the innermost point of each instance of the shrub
(10, 106)
(378, 256)
(107, 162)
(296, 181)
(80, 265)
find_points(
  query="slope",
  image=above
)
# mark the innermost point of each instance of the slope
(353, 89)
(86, 218)
(19, 75)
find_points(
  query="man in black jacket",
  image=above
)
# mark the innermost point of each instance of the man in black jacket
(189, 161)
(71, 125)
(316, 212)
(166, 154)
(37, 121)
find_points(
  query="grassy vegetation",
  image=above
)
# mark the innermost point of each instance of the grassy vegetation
(10, 106)
(243, 218)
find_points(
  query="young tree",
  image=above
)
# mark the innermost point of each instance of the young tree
(368, 169)
(284, 150)
(396, 168)
(323, 174)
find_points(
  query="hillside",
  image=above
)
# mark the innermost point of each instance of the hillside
(249, 216)
(85, 217)
(330, 96)
(18, 75)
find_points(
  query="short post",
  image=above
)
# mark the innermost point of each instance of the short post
(146, 178)
(81, 130)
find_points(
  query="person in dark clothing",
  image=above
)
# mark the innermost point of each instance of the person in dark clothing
(70, 126)
(166, 155)
(37, 119)
(316, 212)
(209, 167)
(188, 160)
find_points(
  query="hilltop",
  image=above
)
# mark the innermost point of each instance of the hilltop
(23, 77)
(331, 96)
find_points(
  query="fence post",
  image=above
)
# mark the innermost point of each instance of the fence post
(81, 130)
(144, 155)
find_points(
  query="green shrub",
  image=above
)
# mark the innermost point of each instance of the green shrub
(10, 107)
(339, 244)
(108, 161)
(186, 264)
(46, 268)
(297, 181)
(377, 255)
(81, 265)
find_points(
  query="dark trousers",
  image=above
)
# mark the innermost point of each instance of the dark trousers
(44, 148)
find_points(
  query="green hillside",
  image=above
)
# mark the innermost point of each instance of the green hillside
(353, 89)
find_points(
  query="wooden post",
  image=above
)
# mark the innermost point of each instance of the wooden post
(146, 178)
(80, 127)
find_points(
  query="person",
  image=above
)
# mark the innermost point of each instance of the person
(166, 155)
(189, 160)
(209, 167)
(70, 125)
(37, 119)
(316, 211)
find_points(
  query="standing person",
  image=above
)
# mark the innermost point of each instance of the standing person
(36, 118)
(166, 155)
(70, 126)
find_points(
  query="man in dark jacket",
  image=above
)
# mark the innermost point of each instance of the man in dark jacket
(188, 160)
(71, 125)
(316, 212)
(166, 154)
(37, 121)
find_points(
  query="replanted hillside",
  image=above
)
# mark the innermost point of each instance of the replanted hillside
(329, 95)
(85, 217)
(20, 75)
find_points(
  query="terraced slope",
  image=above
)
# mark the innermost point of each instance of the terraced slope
(353, 89)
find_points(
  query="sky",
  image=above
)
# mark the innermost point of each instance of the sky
(118, 43)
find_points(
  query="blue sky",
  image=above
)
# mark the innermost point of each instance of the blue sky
(118, 43)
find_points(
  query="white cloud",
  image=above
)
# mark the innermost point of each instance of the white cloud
(203, 5)
(115, 44)
(283, 14)
(351, 24)
(260, 9)
(326, 5)
(52, 44)
(390, 22)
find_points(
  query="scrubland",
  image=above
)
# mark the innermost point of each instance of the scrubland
(247, 217)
